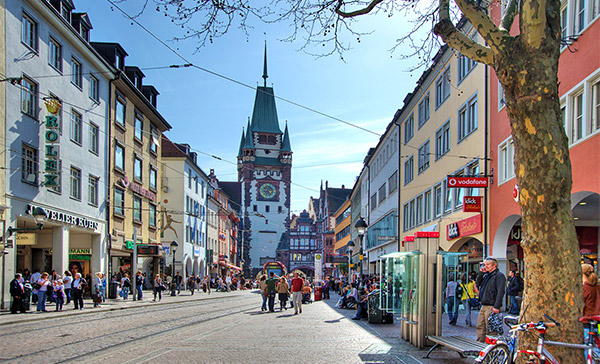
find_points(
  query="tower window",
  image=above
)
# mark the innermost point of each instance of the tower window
(267, 208)
(255, 208)
(279, 209)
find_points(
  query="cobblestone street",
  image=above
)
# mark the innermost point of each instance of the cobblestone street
(221, 328)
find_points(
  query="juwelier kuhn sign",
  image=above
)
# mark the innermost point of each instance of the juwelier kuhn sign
(475, 182)
(66, 218)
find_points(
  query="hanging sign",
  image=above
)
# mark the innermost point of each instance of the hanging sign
(52, 139)
(472, 204)
(475, 182)
(26, 238)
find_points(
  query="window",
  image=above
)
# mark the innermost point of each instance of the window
(119, 157)
(29, 165)
(442, 140)
(93, 190)
(409, 128)
(564, 30)
(119, 202)
(577, 128)
(29, 97)
(467, 119)
(196, 183)
(424, 110)
(424, 157)
(137, 209)
(373, 201)
(506, 160)
(29, 32)
(76, 73)
(267, 208)
(382, 195)
(465, 66)
(447, 197)
(406, 218)
(437, 200)
(75, 126)
(120, 112)
(139, 127)
(94, 88)
(137, 168)
(442, 88)
(427, 206)
(579, 15)
(419, 210)
(153, 140)
(501, 97)
(472, 170)
(75, 183)
(152, 178)
(595, 124)
(409, 167)
(411, 213)
(94, 138)
(458, 193)
(393, 182)
(55, 54)
(254, 208)
(65, 12)
(152, 215)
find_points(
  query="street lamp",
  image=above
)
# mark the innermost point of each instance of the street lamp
(350, 247)
(174, 246)
(361, 228)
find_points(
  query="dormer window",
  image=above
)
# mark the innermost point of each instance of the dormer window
(65, 12)
(85, 33)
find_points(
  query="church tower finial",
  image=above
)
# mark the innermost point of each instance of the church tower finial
(265, 75)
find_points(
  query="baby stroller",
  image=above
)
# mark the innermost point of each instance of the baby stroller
(306, 298)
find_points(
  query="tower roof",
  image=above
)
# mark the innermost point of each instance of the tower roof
(264, 116)
(285, 144)
(248, 140)
(242, 142)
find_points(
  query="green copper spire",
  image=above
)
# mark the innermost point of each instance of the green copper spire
(265, 75)
(242, 142)
(285, 144)
(249, 140)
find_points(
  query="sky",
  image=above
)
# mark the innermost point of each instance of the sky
(208, 112)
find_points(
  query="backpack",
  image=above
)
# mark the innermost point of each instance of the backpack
(127, 283)
(459, 291)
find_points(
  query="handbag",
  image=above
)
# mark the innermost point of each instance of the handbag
(474, 303)
(495, 323)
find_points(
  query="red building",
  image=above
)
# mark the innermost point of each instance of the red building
(579, 77)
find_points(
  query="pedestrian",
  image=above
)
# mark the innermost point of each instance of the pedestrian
(515, 286)
(35, 277)
(59, 295)
(178, 280)
(452, 300)
(192, 284)
(297, 285)
(78, 286)
(97, 289)
(591, 296)
(491, 284)
(17, 291)
(283, 291)
(271, 284)
(125, 286)
(139, 285)
(362, 305)
(228, 283)
(262, 286)
(465, 285)
(67, 281)
(43, 284)
(157, 289)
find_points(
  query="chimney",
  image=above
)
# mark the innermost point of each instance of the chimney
(343, 187)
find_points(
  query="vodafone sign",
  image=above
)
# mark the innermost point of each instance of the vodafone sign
(459, 182)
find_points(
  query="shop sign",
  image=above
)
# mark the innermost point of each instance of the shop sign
(465, 227)
(147, 249)
(129, 245)
(196, 251)
(26, 238)
(386, 238)
(409, 238)
(427, 234)
(52, 139)
(472, 204)
(77, 251)
(79, 257)
(66, 218)
(474, 182)
(125, 182)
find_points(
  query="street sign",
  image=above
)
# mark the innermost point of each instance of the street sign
(472, 204)
(475, 182)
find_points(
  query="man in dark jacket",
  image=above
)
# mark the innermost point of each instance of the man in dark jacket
(515, 286)
(491, 284)
(18, 293)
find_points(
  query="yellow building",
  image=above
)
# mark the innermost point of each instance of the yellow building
(135, 133)
(342, 227)
(443, 126)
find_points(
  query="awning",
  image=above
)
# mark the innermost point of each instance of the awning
(228, 265)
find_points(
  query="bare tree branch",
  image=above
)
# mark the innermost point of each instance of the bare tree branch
(358, 12)
(533, 21)
(509, 15)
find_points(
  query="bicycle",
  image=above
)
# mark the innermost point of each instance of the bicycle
(503, 349)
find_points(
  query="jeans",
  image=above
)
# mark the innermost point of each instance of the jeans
(271, 301)
(125, 292)
(158, 291)
(139, 292)
(103, 293)
(68, 295)
(468, 308)
(178, 285)
(514, 305)
(361, 310)
(264, 304)
(59, 303)
(452, 309)
(78, 298)
(41, 303)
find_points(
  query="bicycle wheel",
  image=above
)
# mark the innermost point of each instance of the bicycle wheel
(499, 354)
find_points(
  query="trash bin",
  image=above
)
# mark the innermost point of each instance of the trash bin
(27, 296)
(376, 314)
(112, 290)
(318, 293)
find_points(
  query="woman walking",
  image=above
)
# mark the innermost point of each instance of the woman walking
(283, 289)
(67, 286)
(97, 290)
(262, 284)
(43, 282)
(157, 288)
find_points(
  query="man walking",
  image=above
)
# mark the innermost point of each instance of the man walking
(271, 286)
(297, 285)
(491, 284)
(515, 286)
(17, 291)
(139, 285)
(178, 280)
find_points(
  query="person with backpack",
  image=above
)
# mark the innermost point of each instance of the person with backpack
(125, 286)
(452, 300)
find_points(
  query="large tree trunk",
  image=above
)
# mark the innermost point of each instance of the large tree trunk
(553, 284)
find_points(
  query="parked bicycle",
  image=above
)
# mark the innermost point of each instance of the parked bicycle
(503, 350)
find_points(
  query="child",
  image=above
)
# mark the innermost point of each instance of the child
(59, 292)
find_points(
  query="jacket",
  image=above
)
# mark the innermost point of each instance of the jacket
(16, 289)
(491, 288)
(515, 285)
(591, 300)
(282, 287)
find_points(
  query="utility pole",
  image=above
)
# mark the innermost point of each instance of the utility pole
(134, 265)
